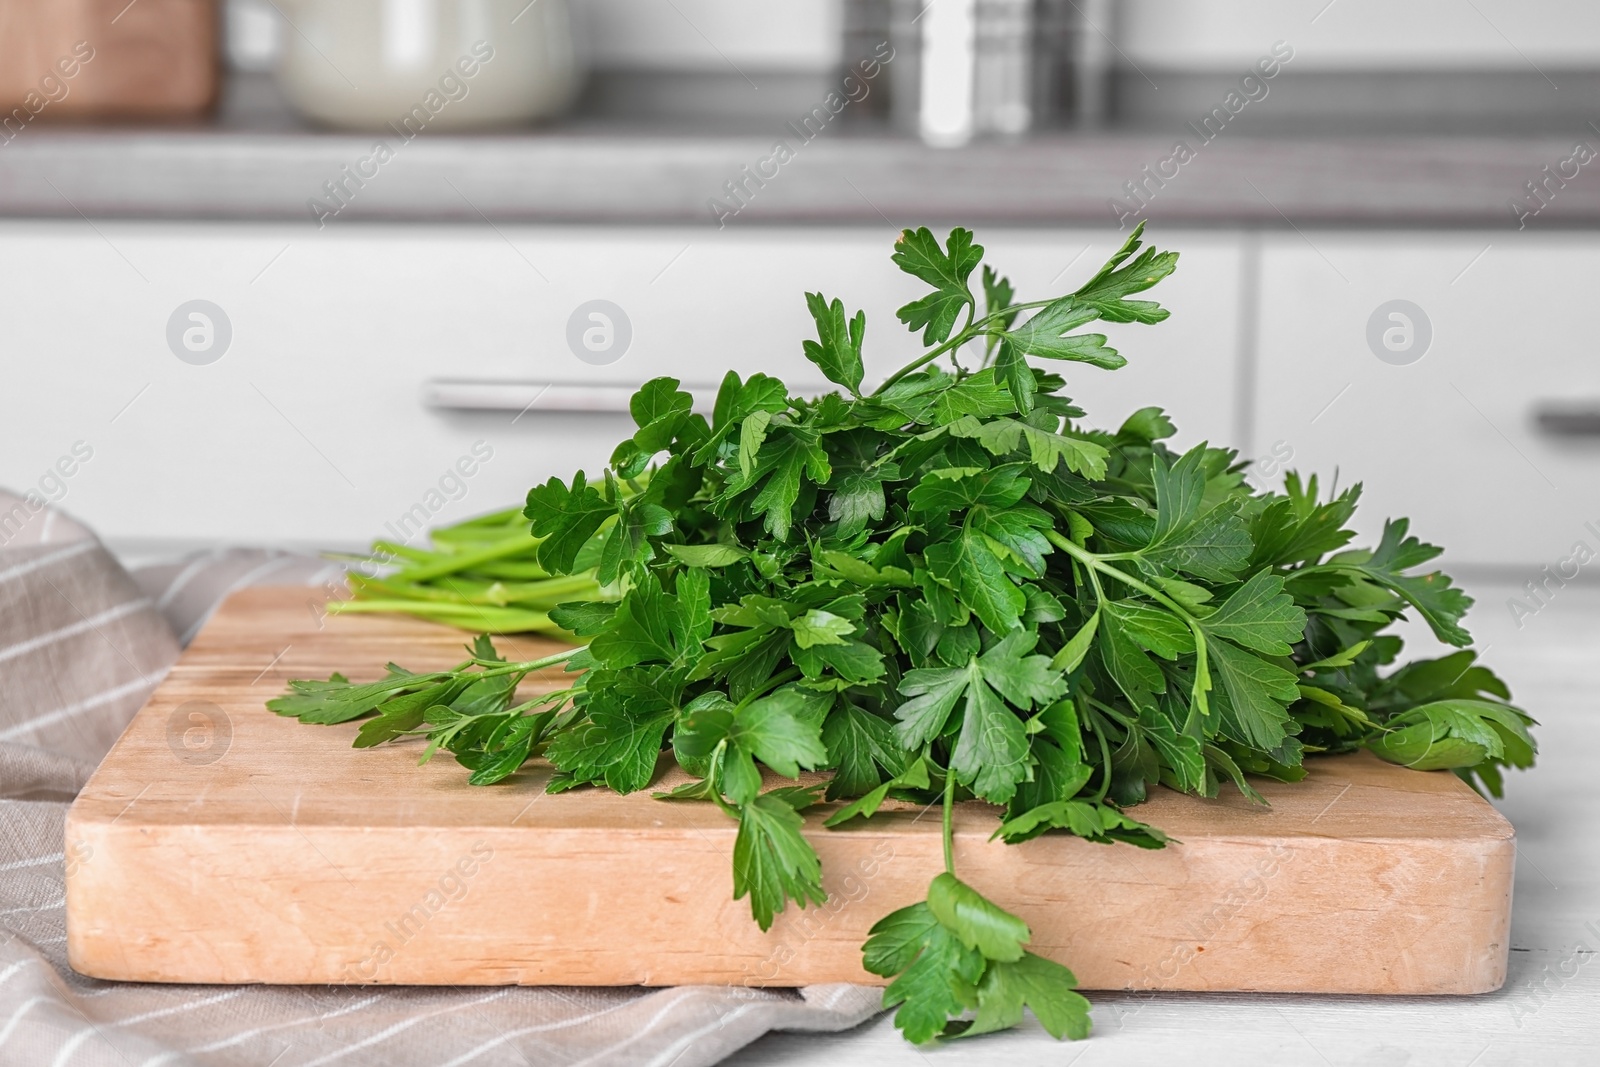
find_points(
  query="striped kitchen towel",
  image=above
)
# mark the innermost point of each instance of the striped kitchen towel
(81, 645)
(188, 589)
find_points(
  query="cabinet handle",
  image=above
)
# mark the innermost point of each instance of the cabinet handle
(459, 394)
(1568, 421)
(443, 394)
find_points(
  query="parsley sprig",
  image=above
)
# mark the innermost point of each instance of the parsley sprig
(947, 589)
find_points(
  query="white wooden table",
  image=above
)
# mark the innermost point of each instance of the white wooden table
(1545, 1014)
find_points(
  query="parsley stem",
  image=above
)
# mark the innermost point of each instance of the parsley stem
(1202, 674)
(1099, 590)
(711, 779)
(1099, 731)
(527, 666)
(949, 812)
(789, 674)
(1097, 563)
(917, 364)
(975, 327)
(560, 696)
(439, 564)
(1107, 709)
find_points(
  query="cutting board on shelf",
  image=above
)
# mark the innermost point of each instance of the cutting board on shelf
(106, 59)
(220, 843)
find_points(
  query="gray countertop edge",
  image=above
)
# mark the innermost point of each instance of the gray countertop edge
(597, 176)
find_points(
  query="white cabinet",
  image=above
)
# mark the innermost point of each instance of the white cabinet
(311, 427)
(1451, 439)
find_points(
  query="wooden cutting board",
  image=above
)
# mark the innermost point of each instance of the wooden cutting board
(221, 843)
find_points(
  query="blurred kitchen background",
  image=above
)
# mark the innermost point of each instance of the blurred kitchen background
(270, 269)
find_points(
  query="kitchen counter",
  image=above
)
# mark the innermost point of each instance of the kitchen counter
(1545, 1012)
(1277, 170)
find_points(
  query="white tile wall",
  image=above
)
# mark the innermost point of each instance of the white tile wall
(712, 34)
(1174, 34)
(1361, 34)
(646, 34)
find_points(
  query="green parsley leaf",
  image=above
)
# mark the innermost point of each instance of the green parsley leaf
(1046, 450)
(998, 298)
(707, 555)
(1259, 616)
(947, 270)
(1083, 818)
(1033, 982)
(1046, 334)
(1012, 370)
(566, 517)
(1107, 291)
(861, 747)
(1457, 734)
(818, 627)
(978, 924)
(838, 354)
(618, 742)
(772, 861)
(628, 544)
(990, 749)
(779, 731)
(1253, 697)
(938, 975)
(913, 778)
(1433, 595)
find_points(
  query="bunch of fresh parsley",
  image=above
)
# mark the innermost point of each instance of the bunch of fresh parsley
(948, 588)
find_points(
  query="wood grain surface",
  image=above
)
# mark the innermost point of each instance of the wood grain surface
(220, 843)
(96, 59)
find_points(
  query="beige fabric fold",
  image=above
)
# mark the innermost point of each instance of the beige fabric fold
(82, 643)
